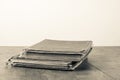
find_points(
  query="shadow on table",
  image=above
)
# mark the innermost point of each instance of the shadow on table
(84, 66)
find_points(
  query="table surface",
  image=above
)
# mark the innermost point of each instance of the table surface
(103, 64)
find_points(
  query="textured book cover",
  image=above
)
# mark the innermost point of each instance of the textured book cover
(60, 47)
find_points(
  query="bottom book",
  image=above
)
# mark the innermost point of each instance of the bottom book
(47, 64)
(61, 65)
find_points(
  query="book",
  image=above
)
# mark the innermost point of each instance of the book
(19, 62)
(60, 47)
(52, 57)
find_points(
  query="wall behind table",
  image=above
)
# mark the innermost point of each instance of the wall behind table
(25, 22)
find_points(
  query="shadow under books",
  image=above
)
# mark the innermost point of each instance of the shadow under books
(84, 66)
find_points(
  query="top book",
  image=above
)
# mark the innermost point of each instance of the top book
(60, 47)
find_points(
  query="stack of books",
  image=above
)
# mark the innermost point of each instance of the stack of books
(53, 54)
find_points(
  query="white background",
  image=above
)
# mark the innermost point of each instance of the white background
(26, 22)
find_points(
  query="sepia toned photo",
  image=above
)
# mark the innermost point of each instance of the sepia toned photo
(59, 40)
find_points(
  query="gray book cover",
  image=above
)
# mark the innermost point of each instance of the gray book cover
(60, 47)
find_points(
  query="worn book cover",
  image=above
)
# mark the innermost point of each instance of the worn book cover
(60, 47)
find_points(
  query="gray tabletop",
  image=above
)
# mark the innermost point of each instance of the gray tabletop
(103, 64)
